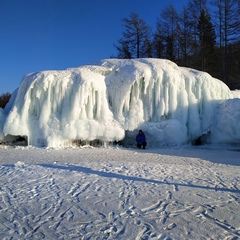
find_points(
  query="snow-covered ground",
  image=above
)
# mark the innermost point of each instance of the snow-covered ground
(119, 193)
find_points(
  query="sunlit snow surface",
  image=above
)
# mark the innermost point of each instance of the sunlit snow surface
(119, 193)
(112, 99)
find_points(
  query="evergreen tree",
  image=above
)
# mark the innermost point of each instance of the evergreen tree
(147, 48)
(227, 16)
(207, 40)
(194, 8)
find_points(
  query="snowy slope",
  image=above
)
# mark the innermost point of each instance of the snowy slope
(111, 100)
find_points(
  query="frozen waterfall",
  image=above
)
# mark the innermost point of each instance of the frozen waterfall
(109, 101)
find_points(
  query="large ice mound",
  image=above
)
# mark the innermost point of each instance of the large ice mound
(110, 100)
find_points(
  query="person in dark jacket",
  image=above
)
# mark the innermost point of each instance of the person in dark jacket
(141, 139)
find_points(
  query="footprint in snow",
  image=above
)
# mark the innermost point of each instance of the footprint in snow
(171, 226)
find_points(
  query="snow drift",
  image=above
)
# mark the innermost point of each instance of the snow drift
(111, 100)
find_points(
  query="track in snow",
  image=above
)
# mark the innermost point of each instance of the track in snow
(116, 194)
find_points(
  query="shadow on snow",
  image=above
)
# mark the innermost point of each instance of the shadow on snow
(131, 178)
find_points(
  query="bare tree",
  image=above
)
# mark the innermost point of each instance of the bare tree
(167, 32)
(228, 23)
(135, 41)
(186, 38)
(158, 43)
(193, 11)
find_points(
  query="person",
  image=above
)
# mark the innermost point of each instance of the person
(141, 139)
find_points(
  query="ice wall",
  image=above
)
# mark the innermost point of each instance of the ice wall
(173, 105)
(2, 120)
(226, 128)
(52, 107)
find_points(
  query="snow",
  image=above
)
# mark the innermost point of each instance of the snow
(227, 128)
(52, 189)
(2, 120)
(111, 100)
(236, 93)
(119, 193)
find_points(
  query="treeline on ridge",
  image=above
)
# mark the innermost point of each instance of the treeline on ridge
(203, 36)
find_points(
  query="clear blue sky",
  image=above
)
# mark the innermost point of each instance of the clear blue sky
(38, 35)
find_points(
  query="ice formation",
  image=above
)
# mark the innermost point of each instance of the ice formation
(110, 100)
(2, 119)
